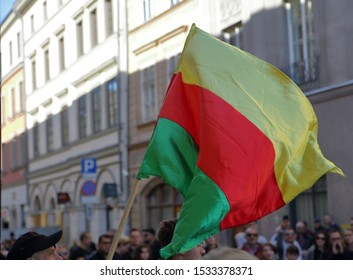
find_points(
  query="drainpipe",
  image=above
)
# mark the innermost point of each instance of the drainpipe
(123, 101)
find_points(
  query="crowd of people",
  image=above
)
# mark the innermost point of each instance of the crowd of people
(324, 242)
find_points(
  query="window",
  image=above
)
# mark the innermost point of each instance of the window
(147, 9)
(65, 126)
(174, 2)
(108, 17)
(17, 100)
(302, 51)
(46, 65)
(112, 92)
(79, 38)
(22, 148)
(163, 202)
(21, 96)
(172, 65)
(45, 11)
(36, 140)
(234, 36)
(82, 116)
(149, 94)
(18, 44)
(97, 109)
(34, 74)
(2, 110)
(12, 100)
(61, 53)
(50, 134)
(13, 147)
(10, 53)
(311, 203)
(32, 23)
(3, 158)
(93, 26)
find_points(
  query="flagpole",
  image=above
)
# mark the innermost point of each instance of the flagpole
(123, 219)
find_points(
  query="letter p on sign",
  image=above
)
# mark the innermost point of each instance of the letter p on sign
(88, 166)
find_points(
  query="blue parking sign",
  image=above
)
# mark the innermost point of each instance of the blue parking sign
(88, 166)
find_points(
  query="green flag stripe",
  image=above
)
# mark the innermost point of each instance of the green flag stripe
(205, 203)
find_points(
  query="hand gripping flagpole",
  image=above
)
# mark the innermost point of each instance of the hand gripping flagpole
(127, 209)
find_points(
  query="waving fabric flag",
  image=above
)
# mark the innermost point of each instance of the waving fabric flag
(235, 136)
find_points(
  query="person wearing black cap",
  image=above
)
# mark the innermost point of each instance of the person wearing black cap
(35, 246)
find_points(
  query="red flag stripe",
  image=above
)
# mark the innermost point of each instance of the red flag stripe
(241, 161)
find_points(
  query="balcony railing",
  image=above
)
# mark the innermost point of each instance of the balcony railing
(303, 72)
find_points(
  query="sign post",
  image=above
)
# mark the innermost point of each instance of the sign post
(89, 187)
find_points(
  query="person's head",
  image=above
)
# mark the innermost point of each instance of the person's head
(86, 239)
(228, 253)
(285, 222)
(300, 227)
(142, 252)
(335, 237)
(123, 245)
(268, 251)
(320, 239)
(292, 252)
(290, 235)
(317, 223)
(211, 242)
(104, 243)
(348, 236)
(328, 219)
(35, 246)
(251, 235)
(149, 235)
(135, 237)
(165, 236)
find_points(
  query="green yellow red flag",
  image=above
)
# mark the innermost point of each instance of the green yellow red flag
(235, 136)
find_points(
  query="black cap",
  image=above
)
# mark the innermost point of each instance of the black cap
(32, 242)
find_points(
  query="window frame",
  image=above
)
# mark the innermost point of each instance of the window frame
(113, 102)
(49, 130)
(82, 116)
(149, 96)
(96, 97)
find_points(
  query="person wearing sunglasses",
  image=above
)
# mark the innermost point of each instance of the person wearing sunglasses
(289, 239)
(252, 245)
(337, 247)
(319, 250)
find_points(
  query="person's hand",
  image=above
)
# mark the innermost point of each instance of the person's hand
(337, 248)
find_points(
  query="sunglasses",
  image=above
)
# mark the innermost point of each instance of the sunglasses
(252, 235)
(335, 238)
(320, 238)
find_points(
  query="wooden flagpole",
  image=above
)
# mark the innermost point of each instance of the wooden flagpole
(127, 209)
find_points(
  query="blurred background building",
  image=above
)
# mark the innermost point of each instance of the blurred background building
(83, 81)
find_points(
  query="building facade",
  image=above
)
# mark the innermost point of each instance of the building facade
(75, 82)
(13, 128)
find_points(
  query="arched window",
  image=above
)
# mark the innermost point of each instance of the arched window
(163, 202)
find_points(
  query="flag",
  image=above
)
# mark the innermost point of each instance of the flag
(235, 136)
